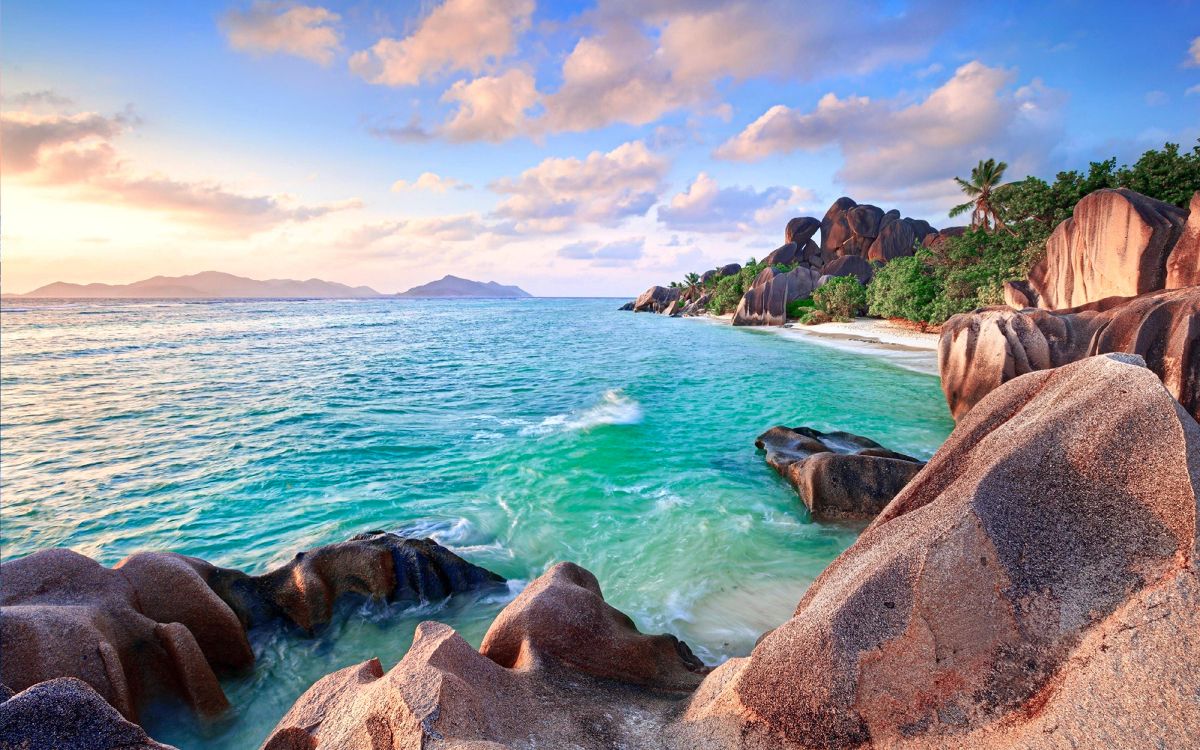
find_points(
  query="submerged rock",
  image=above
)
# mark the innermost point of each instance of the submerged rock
(1035, 587)
(981, 350)
(626, 307)
(67, 714)
(838, 475)
(159, 623)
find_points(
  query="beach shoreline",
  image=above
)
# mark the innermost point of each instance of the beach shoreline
(912, 350)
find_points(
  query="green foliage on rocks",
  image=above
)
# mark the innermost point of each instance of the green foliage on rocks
(963, 273)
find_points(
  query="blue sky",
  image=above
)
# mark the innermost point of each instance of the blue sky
(571, 148)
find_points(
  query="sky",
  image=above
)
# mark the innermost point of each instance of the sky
(590, 148)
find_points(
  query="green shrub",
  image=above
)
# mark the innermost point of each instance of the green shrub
(904, 288)
(798, 307)
(816, 317)
(841, 297)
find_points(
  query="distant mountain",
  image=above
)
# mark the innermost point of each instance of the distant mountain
(206, 285)
(453, 286)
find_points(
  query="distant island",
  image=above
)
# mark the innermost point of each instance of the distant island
(206, 285)
(453, 286)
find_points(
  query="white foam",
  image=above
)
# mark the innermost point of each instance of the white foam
(614, 408)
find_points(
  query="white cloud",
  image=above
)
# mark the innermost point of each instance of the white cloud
(490, 108)
(898, 147)
(1193, 91)
(76, 152)
(279, 27)
(1194, 52)
(618, 253)
(707, 207)
(429, 182)
(648, 58)
(458, 35)
(604, 188)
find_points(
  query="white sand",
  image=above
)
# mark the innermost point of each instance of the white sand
(903, 347)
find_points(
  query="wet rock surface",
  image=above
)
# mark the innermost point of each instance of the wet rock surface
(162, 624)
(838, 475)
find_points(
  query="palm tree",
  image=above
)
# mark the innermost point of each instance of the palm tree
(692, 283)
(982, 191)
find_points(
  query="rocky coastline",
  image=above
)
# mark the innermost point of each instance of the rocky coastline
(1035, 584)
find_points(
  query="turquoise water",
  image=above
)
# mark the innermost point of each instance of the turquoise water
(518, 433)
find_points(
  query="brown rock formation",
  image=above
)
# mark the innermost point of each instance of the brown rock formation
(1183, 264)
(656, 299)
(159, 623)
(935, 238)
(838, 475)
(896, 240)
(801, 229)
(67, 714)
(560, 671)
(834, 228)
(1117, 243)
(563, 616)
(850, 265)
(1032, 588)
(981, 350)
(765, 302)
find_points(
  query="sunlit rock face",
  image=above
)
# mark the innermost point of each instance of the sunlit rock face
(161, 624)
(981, 350)
(1034, 587)
(1118, 243)
(558, 668)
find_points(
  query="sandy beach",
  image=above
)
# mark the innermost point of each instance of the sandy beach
(902, 346)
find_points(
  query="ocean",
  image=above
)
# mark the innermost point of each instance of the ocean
(517, 433)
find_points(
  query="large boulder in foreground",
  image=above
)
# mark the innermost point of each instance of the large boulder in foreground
(67, 714)
(981, 350)
(160, 624)
(1034, 587)
(558, 668)
(657, 299)
(838, 475)
(1183, 264)
(1117, 243)
(765, 302)
(563, 616)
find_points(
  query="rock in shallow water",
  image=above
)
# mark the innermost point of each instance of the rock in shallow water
(158, 623)
(1035, 587)
(556, 669)
(837, 474)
